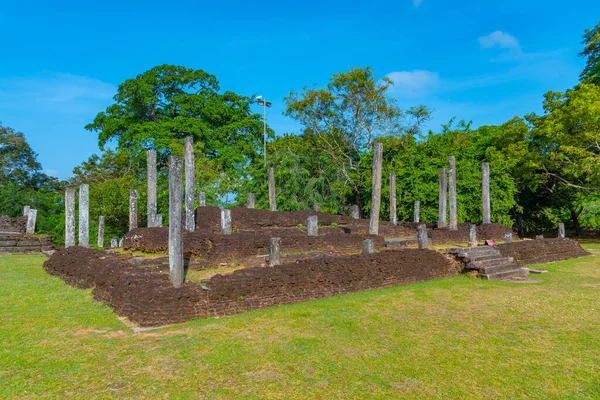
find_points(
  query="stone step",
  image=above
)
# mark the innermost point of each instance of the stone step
(490, 262)
(483, 257)
(505, 274)
(492, 269)
(21, 249)
(458, 250)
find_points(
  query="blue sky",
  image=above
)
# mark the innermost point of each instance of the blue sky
(485, 61)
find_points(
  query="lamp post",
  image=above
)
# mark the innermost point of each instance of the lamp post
(265, 104)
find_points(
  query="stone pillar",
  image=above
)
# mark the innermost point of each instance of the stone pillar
(355, 211)
(472, 235)
(84, 215)
(422, 238)
(114, 243)
(225, 222)
(485, 193)
(368, 247)
(202, 199)
(539, 237)
(151, 176)
(272, 194)
(274, 251)
(70, 217)
(317, 207)
(561, 230)
(452, 193)
(312, 223)
(250, 200)
(101, 232)
(443, 189)
(176, 267)
(393, 213)
(508, 238)
(31, 217)
(121, 243)
(133, 218)
(159, 222)
(376, 189)
(26, 210)
(417, 211)
(189, 184)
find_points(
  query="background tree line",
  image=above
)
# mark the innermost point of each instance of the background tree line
(544, 168)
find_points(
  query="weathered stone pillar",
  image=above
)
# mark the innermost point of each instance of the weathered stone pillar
(159, 222)
(368, 247)
(225, 222)
(422, 238)
(26, 210)
(31, 217)
(133, 217)
(101, 231)
(176, 267)
(417, 211)
(272, 194)
(121, 243)
(70, 217)
(376, 189)
(151, 176)
(561, 230)
(317, 207)
(250, 200)
(443, 189)
(84, 215)
(189, 184)
(508, 238)
(274, 251)
(539, 237)
(393, 213)
(312, 223)
(472, 235)
(485, 193)
(202, 199)
(114, 243)
(452, 193)
(355, 211)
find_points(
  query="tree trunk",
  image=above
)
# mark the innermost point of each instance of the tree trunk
(575, 219)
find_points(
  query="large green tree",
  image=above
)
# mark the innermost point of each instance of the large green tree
(591, 51)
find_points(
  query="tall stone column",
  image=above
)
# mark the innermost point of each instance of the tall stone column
(355, 212)
(561, 230)
(443, 189)
(368, 247)
(472, 235)
(422, 238)
(202, 199)
(272, 194)
(84, 215)
(101, 232)
(250, 200)
(133, 217)
(274, 251)
(189, 184)
(485, 192)
(159, 220)
(151, 175)
(393, 213)
(452, 193)
(417, 211)
(312, 224)
(31, 217)
(176, 267)
(226, 222)
(26, 210)
(70, 217)
(376, 189)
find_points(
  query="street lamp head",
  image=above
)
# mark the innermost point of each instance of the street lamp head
(261, 103)
(268, 104)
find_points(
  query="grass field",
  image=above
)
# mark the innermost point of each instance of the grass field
(456, 338)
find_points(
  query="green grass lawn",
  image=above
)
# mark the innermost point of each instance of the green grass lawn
(454, 338)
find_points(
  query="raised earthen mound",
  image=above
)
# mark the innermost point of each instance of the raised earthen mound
(145, 295)
(542, 251)
(494, 232)
(218, 248)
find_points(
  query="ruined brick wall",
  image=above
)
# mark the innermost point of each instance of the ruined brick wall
(542, 251)
(146, 297)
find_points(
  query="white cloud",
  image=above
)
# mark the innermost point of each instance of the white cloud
(500, 39)
(416, 83)
(417, 3)
(65, 93)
